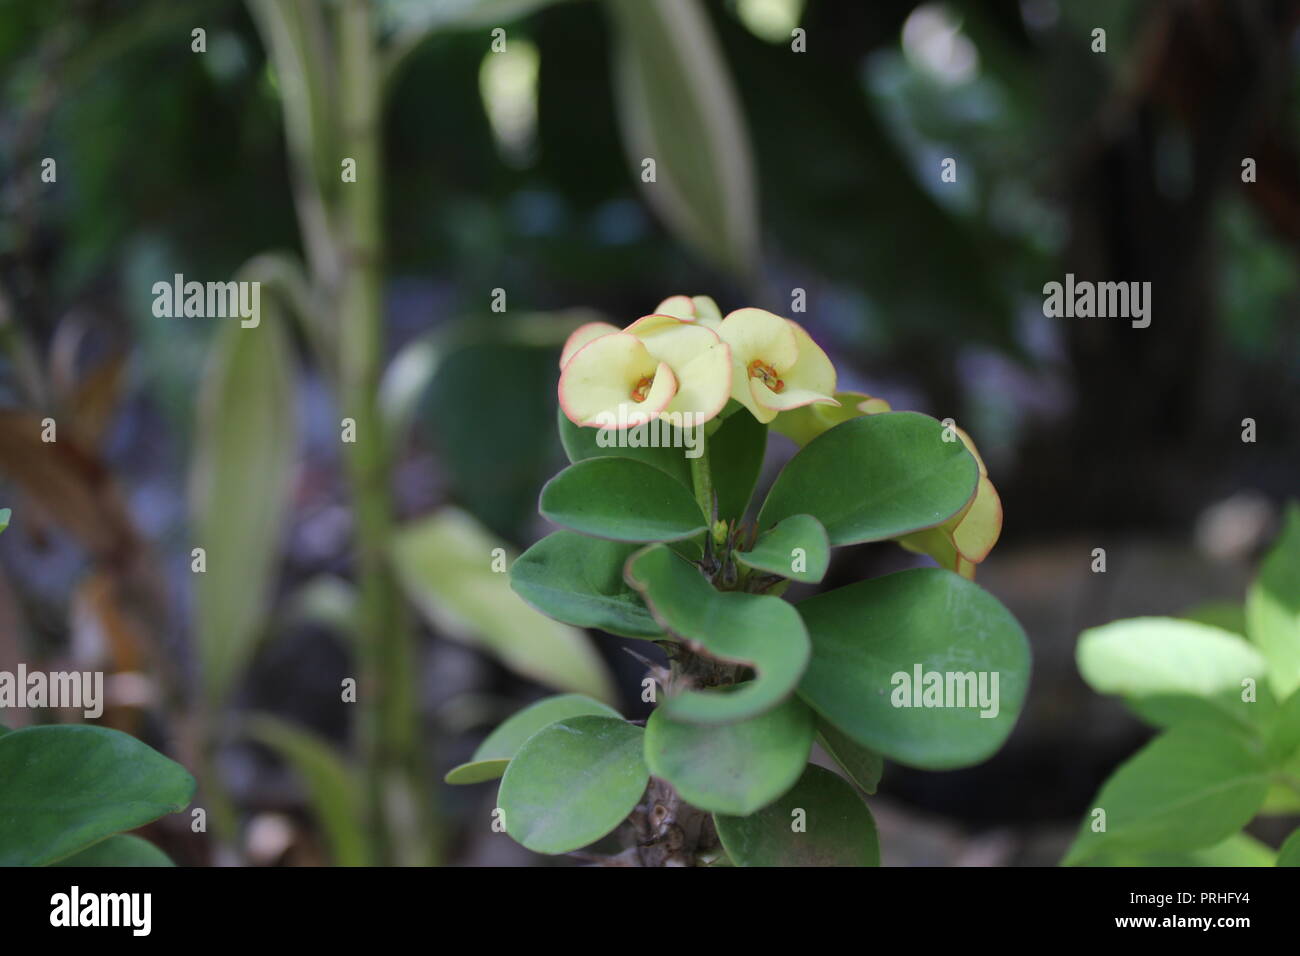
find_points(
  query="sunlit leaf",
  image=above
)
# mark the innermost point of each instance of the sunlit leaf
(1189, 788)
(447, 566)
(1273, 607)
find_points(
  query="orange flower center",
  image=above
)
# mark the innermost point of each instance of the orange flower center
(642, 388)
(761, 370)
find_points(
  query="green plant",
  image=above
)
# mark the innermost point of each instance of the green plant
(656, 544)
(69, 792)
(1227, 706)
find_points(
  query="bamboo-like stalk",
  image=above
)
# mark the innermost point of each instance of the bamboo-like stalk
(399, 795)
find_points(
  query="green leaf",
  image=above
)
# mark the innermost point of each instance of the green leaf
(582, 443)
(737, 768)
(1289, 854)
(798, 542)
(121, 849)
(579, 580)
(821, 821)
(1283, 744)
(1189, 788)
(1171, 669)
(1273, 608)
(492, 756)
(5, 514)
(868, 640)
(621, 499)
(1240, 849)
(761, 631)
(67, 787)
(332, 788)
(677, 105)
(863, 766)
(239, 491)
(1226, 615)
(573, 782)
(874, 478)
(735, 460)
(446, 566)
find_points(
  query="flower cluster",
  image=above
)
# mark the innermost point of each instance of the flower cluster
(685, 358)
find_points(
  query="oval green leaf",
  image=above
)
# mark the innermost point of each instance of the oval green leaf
(68, 787)
(871, 638)
(621, 499)
(445, 564)
(874, 478)
(573, 782)
(863, 765)
(1189, 788)
(121, 849)
(1289, 854)
(797, 548)
(1170, 669)
(761, 631)
(495, 752)
(737, 768)
(677, 103)
(239, 490)
(583, 443)
(1273, 608)
(821, 821)
(579, 580)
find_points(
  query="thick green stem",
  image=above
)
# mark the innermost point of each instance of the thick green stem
(399, 802)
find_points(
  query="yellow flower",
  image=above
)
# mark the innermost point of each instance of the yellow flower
(775, 364)
(965, 539)
(699, 308)
(660, 365)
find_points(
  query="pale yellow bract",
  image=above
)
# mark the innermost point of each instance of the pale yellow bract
(685, 358)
